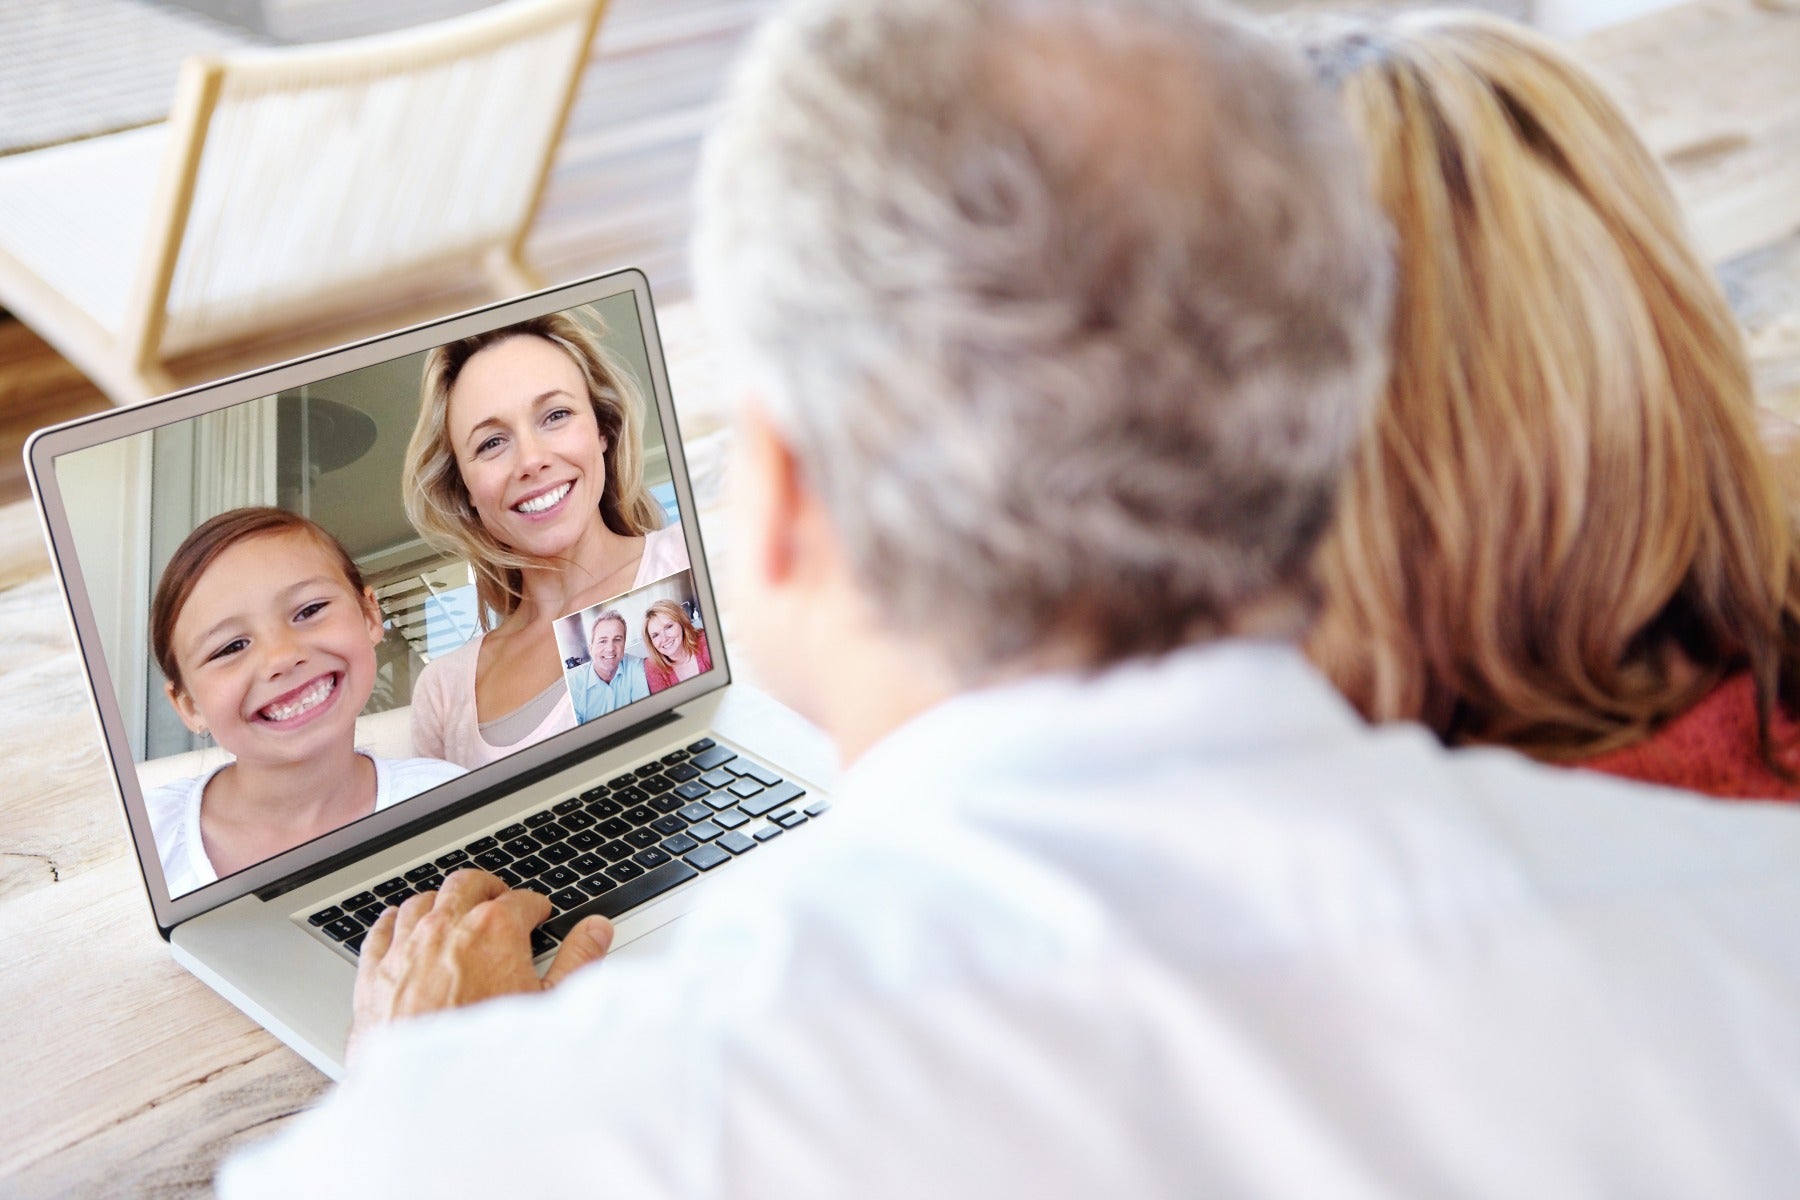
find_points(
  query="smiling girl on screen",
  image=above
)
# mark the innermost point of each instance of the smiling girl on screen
(527, 461)
(267, 635)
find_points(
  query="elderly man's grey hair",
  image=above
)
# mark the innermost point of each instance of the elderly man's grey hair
(1072, 309)
(611, 614)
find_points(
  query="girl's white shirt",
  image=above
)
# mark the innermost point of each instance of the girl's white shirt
(174, 810)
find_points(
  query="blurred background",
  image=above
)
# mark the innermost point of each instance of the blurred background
(1713, 83)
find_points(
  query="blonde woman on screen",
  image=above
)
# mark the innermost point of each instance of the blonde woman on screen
(674, 649)
(1561, 533)
(527, 461)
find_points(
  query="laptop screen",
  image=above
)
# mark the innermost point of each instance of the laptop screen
(328, 601)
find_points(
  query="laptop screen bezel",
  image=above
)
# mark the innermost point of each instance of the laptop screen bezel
(480, 785)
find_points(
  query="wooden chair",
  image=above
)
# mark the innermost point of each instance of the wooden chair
(290, 185)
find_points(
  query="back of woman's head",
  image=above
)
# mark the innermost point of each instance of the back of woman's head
(1561, 529)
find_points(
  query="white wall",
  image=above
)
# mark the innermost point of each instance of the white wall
(106, 490)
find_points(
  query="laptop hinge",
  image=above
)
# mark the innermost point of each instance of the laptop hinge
(500, 790)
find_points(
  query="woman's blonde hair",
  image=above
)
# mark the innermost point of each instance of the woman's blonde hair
(437, 503)
(690, 637)
(1562, 529)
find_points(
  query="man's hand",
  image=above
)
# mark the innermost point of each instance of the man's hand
(467, 942)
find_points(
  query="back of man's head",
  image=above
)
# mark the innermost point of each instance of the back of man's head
(1070, 309)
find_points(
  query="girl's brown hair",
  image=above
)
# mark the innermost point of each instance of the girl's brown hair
(201, 548)
(437, 503)
(1562, 529)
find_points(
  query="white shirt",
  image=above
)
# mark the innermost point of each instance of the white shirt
(1189, 929)
(174, 810)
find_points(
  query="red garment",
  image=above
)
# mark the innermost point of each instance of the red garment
(660, 677)
(1712, 748)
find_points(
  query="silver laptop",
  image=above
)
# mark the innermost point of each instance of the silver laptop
(635, 778)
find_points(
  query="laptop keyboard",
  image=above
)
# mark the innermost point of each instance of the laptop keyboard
(609, 849)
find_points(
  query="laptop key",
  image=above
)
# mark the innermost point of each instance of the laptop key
(354, 945)
(625, 780)
(325, 916)
(706, 857)
(817, 807)
(666, 803)
(614, 852)
(389, 887)
(395, 899)
(717, 779)
(522, 845)
(566, 806)
(736, 842)
(774, 798)
(648, 770)
(682, 773)
(539, 818)
(569, 897)
(650, 858)
(562, 852)
(642, 838)
(492, 860)
(693, 789)
(705, 831)
(673, 757)
(577, 821)
(680, 843)
(721, 799)
(700, 746)
(619, 901)
(482, 844)
(767, 832)
(360, 900)
(641, 815)
(510, 832)
(657, 784)
(552, 832)
(624, 872)
(631, 795)
(789, 819)
(531, 866)
(587, 839)
(731, 818)
(594, 793)
(456, 858)
(603, 809)
(587, 864)
(712, 756)
(560, 877)
(668, 826)
(509, 877)
(431, 882)
(343, 927)
(761, 774)
(422, 871)
(596, 884)
(614, 827)
(694, 812)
